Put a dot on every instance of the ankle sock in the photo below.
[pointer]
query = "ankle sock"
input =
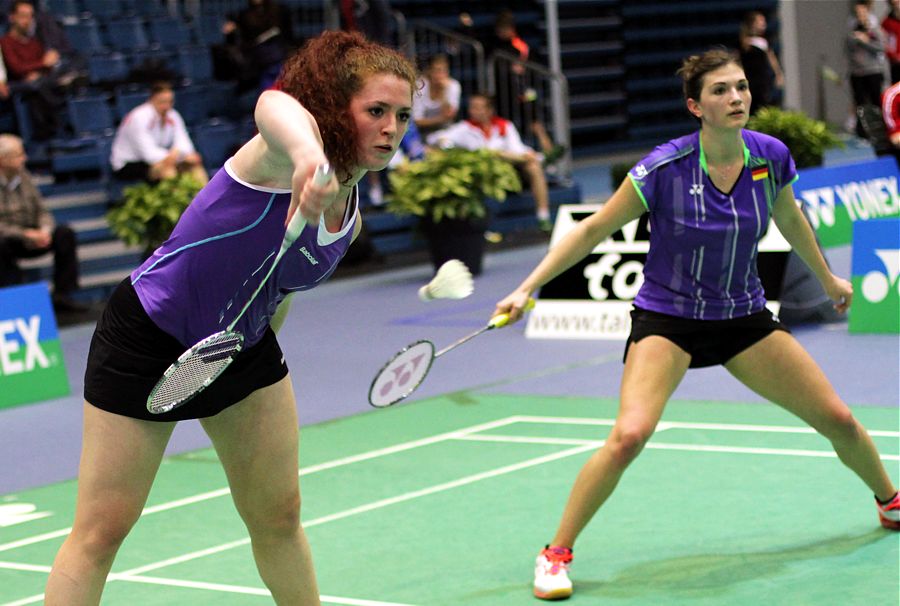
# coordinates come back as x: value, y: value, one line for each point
x: 892, y: 497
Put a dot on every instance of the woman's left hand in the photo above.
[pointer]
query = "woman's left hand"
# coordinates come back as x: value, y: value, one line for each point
x: 841, y: 292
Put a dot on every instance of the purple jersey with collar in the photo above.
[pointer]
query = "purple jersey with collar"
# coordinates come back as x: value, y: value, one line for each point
x: 198, y: 281
x: 703, y: 242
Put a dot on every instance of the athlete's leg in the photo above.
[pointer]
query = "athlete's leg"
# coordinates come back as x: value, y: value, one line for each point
x: 119, y: 459
x: 257, y: 441
x: 653, y: 369
x: 780, y: 370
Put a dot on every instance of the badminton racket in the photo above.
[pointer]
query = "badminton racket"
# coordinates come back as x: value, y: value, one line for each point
x: 406, y: 370
x: 199, y: 366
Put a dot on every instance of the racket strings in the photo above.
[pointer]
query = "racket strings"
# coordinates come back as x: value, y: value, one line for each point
x: 194, y: 370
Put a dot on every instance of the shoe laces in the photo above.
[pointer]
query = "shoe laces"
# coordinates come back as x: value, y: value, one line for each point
x: 559, y: 557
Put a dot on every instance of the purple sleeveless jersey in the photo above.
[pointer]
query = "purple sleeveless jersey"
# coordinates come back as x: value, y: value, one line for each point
x: 198, y: 281
x: 703, y: 242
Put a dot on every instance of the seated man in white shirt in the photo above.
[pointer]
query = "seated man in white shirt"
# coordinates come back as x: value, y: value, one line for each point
x: 152, y: 142
x: 485, y: 130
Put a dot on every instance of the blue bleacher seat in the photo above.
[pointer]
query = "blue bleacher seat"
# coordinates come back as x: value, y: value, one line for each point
x: 107, y: 10
x: 62, y: 8
x: 107, y: 68
x: 192, y: 103
x: 127, y: 35
x: 169, y: 33
x: 126, y: 99
x: 90, y: 115
x: 215, y: 141
x: 195, y: 64
x: 85, y: 36
x: 208, y: 29
x: 151, y: 8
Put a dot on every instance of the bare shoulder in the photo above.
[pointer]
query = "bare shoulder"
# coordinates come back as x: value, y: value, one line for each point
x: 258, y: 164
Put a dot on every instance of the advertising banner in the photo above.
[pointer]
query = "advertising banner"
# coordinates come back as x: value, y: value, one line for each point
x: 838, y: 197
x: 875, y: 269
x: 31, y: 361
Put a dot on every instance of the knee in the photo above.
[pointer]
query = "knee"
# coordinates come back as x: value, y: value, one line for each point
x: 626, y: 443
x: 102, y: 537
x: 276, y: 517
x: 840, y: 425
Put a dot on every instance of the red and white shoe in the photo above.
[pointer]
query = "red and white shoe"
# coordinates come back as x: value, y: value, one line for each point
x: 551, y: 573
x: 889, y: 514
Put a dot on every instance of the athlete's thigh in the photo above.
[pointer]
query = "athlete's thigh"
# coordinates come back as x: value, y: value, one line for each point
x: 257, y: 442
x: 119, y: 460
x: 779, y: 369
x: 653, y: 369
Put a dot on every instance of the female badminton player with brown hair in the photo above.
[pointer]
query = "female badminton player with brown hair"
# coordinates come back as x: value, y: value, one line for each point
x: 710, y: 196
x: 341, y: 99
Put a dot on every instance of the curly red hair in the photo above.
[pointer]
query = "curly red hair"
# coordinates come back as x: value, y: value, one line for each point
x: 325, y: 74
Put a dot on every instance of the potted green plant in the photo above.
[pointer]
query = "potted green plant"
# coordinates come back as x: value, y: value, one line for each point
x: 806, y: 137
x: 149, y: 212
x: 447, y: 190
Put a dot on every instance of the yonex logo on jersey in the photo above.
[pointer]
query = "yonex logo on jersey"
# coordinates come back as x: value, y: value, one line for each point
x: 640, y: 171
x: 308, y: 255
x: 696, y: 189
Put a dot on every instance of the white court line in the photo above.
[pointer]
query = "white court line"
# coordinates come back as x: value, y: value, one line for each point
x: 303, y: 472
x: 793, y: 452
x: 128, y: 574
x: 664, y: 425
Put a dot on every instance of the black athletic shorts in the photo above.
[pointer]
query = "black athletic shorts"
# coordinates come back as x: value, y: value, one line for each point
x: 709, y: 342
x: 129, y: 354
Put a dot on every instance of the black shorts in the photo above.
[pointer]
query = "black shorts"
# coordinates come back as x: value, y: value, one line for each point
x: 134, y: 171
x: 129, y: 354
x: 709, y: 342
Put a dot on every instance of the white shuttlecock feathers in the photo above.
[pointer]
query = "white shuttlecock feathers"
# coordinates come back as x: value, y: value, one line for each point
x: 452, y: 281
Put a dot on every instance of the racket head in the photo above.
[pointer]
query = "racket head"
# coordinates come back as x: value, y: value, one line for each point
x: 402, y: 374
x: 194, y: 370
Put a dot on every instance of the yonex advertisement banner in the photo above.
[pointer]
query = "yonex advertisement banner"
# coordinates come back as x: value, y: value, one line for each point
x: 875, y: 269
x: 31, y: 361
x: 593, y: 298
x: 837, y: 197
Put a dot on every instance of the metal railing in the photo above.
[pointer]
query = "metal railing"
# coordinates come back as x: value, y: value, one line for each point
x: 466, y: 54
x: 526, y: 92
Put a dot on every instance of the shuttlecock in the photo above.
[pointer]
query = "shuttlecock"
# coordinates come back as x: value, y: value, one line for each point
x: 452, y: 281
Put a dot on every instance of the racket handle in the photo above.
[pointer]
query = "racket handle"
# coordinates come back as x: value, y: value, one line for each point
x: 320, y: 179
x: 500, y: 320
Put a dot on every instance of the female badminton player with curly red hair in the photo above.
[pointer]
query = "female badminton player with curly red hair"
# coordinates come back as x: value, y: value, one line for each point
x: 343, y: 100
x: 710, y: 196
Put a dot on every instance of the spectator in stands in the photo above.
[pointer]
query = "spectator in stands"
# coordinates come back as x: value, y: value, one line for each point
x: 152, y: 142
x: 371, y: 17
x: 891, y: 26
x: 865, y: 46
x: 37, y: 71
x: 760, y: 63
x: 4, y: 84
x: 263, y: 35
x: 437, y: 101
x: 890, y: 109
x: 27, y: 228
x: 485, y: 130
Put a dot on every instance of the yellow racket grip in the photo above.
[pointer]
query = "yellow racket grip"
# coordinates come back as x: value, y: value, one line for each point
x: 500, y: 320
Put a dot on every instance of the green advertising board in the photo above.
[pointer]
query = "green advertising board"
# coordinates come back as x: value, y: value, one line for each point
x: 875, y: 270
x: 31, y: 360
x: 838, y: 197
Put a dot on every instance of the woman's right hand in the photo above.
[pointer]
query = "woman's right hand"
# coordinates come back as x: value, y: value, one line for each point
x: 513, y: 304
x: 310, y: 199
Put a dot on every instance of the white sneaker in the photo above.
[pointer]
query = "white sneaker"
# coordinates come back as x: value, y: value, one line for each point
x: 551, y: 574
